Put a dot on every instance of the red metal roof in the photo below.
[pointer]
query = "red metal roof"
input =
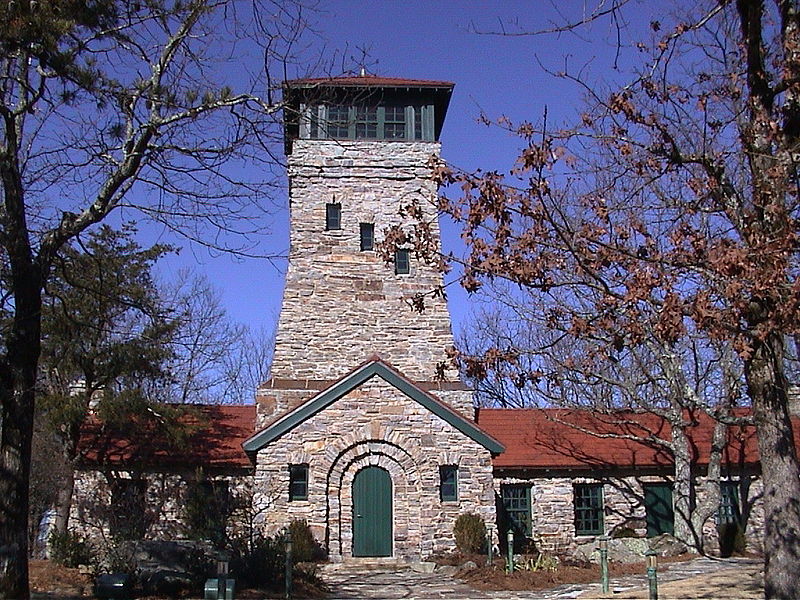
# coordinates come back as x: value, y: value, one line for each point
x: 366, y: 81
x: 563, y: 439
x: 217, y: 433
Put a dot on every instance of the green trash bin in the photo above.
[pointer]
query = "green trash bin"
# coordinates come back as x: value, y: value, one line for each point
x: 219, y: 588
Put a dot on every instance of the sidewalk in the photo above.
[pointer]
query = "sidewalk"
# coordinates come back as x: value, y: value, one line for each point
x: 698, y: 578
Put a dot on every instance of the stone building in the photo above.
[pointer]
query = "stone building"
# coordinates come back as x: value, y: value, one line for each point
x: 356, y: 431
x: 379, y: 455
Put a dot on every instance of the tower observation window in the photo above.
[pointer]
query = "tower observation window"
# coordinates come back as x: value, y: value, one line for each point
x: 366, y: 122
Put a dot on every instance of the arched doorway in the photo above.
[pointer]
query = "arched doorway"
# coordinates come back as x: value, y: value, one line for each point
x: 372, y: 512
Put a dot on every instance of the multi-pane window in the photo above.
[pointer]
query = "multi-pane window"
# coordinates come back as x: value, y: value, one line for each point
x: 448, y: 483
x: 402, y: 262
x: 298, y: 482
x: 365, y: 122
x: 418, y: 123
x: 367, y: 236
x: 127, y: 519
x: 588, y: 501
x: 516, y: 507
x: 366, y: 118
x: 728, y: 503
x: 394, y: 123
x: 333, y: 216
x: 338, y: 121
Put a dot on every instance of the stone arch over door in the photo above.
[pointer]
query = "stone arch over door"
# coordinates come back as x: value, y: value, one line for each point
x: 406, y: 487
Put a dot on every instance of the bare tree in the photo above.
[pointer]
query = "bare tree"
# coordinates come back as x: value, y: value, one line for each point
x: 513, y: 358
x: 121, y: 106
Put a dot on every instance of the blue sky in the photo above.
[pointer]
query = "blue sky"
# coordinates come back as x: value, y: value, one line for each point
x: 497, y: 75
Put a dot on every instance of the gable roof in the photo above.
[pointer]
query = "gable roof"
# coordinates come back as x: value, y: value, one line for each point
x: 215, y: 441
x: 551, y: 439
x: 374, y: 367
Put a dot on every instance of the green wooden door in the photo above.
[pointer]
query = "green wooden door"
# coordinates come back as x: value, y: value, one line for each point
x: 658, y: 509
x: 372, y: 512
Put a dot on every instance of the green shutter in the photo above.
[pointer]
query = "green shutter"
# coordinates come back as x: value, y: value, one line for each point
x: 659, y: 511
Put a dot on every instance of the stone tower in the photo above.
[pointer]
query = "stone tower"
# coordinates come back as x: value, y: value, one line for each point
x: 358, y: 149
x: 354, y: 433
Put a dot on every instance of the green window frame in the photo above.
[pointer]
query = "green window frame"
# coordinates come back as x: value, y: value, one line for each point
x: 298, y: 482
x: 333, y: 216
x: 448, y: 483
x: 588, y: 503
x: 367, y: 231
x: 394, y: 122
x: 729, y: 512
x: 337, y: 122
x: 516, y: 504
x: 402, y: 262
x: 366, y: 122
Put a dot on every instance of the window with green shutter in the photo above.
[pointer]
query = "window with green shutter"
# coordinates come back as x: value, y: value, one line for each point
x: 516, y: 509
x: 298, y: 482
x: 728, y: 512
x: 448, y: 483
x: 659, y: 511
x: 128, y: 502
x: 588, y: 501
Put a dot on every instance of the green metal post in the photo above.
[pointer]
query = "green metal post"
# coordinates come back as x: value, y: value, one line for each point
x: 288, y: 564
x: 510, y: 557
x: 489, y: 546
x: 604, y: 562
x: 652, y: 573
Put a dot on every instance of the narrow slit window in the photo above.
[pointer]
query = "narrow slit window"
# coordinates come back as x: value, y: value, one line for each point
x: 298, y: 482
x: 448, y: 483
x: 333, y: 216
x: 402, y: 262
x: 367, y: 236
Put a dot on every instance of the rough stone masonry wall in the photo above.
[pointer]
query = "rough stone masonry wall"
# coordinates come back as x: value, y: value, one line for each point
x: 341, y: 304
x: 375, y: 424
x: 91, y: 508
x: 553, y: 510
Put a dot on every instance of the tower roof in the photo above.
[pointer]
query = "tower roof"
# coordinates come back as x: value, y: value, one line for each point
x: 366, y: 81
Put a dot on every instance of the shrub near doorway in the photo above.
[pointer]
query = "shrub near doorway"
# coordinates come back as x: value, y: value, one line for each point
x: 470, y: 533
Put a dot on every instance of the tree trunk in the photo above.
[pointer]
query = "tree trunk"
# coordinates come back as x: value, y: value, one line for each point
x: 682, y: 487
x: 17, y: 388
x: 767, y: 389
x: 709, y: 505
x: 18, y: 385
x: 64, y: 500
